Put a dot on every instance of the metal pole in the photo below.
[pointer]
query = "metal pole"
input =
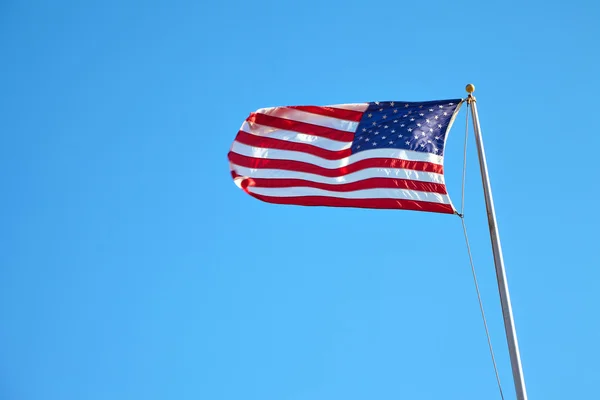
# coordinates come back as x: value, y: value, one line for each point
x: 509, y: 324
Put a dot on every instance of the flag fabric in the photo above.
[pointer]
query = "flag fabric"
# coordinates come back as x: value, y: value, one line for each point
x: 387, y: 155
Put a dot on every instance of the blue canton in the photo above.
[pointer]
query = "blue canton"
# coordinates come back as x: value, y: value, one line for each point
x: 405, y: 125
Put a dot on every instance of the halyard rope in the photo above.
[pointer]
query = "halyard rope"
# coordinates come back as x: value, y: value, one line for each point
x: 462, y: 218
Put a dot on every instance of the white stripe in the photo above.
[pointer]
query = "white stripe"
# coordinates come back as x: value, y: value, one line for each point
x: 367, y: 173
x: 309, y: 118
x: 351, y: 106
x: 404, y: 194
x: 290, y: 136
x: 275, y: 154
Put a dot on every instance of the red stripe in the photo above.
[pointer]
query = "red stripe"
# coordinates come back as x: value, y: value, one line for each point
x: 272, y: 143
x: 301, y: 127
x: 370, y: 183
x: 300, y: 166
x: 360, y: 203
x: 348, y: 115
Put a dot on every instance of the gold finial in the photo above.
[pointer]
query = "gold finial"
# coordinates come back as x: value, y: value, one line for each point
x: 470, y: 88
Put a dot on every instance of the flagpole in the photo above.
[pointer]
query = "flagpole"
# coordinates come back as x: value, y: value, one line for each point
x: 509, y: 324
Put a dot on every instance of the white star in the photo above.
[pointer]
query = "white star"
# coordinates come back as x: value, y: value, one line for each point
x: 419, y: 125
x: 385, y: 126
x: 364, y: 129
x: 431, y: 109
x: 427, y: 121
x: 451, y: 104
x: 439, y: 126
x: 445, y: 113
x: 436, y: 117
x: 430, y: 130
x: 377, y: 102
x: 423, y: 133
x: 401, y: 125
x: 393, y: 131
x: 429, y: 141
x: 385, y: 116
x: 412, y: 119
x: 400, y: 135
x: 409, y: 129
x: 374, y: 123
x: 358, y: 147
x: 406, y: 105
x: 395, y: 111
x: 441, y: 106
x: 395, y: 121
x: 421, y: 114
x: 370, y: 115
x: 381, y: 109
x: 391, y: 142
x: 392, y: 104
x: 367, y: 139
x: 437, y: 138
x: 377, y: 133
x: 374, y: 144
x: 407, y: 142
x: 422, y: 145
x: 416, y: 136
x: 360, y: 138
x: 421, y: 106
x: 383, y: 137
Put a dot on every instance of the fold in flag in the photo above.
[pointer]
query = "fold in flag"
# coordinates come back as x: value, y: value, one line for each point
x: 370, y: 155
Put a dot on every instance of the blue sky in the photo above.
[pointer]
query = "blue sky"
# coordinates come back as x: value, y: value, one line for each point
x: 131, y: 267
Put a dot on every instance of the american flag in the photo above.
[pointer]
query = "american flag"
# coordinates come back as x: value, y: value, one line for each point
x: 370, y: 155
